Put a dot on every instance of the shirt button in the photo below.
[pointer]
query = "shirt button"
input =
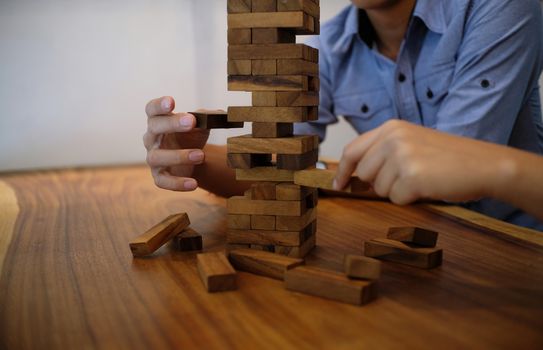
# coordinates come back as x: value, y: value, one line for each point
x: 429, y: 93
x: 365, y: 108
x: 401, y: 77
x: 485, y: 83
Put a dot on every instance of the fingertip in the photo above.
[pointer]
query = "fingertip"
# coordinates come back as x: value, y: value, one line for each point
x: 190, y: 184
x: 167, y: 103
x: 187, y: 121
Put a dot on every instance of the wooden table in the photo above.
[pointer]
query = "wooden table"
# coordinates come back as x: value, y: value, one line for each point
x: 68, y: 280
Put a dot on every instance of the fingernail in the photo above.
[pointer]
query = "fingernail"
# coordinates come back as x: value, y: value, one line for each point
x: 335, y: 185
x: 166, y: 104
x: 186, y: 121
x: 190, y: 184
x: 196, y: 156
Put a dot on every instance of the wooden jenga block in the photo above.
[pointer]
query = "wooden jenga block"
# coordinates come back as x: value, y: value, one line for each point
x: 293, y: 20
x: 314, y: 84
x: 273, y: 130
x: 264, y: 99
x: 239, y: 6
x: 158, y: 235
x: 396, y: 251
x: 214, y: 120
x: 263, y: 190
x: 272, y: 51
x: 312, y: 199
x: 267, y: 82
x: 270, y: 237
x: 363, y: 267
x: 268, y: 114
x: 323, y: 179
x: 285, y: 145
x: 263, y: 248
x: 264, y: 174
x: 216, y: 272
x: 264, y: 6
x: 287, y: 191
x: 239, y: 67
x: 239, y: 221
x: 263, y: 222
x: 297, y: 252
x: 295, y: 223
x: 231, y: 247
x: 263, y: 263
x: 298, y: 161
x: 273, y: 36
x: 188, y: 240
x: 330, y: 284
x: 295, y: 98
x: 308, y: 6
x: 239, y: 36
x: 241, y: 205
x: 416, y: 235
x: 264, y: 67
x: 248, y: 161
x: 297, y: 67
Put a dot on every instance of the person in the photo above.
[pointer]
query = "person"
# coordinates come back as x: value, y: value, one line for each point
x: 465, y: 67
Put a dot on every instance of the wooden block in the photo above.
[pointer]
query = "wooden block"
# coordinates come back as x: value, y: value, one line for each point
x: 239, y: 67
x: 264, y: 174
x: 330, y: 284
x: 239, y: 221
x: 264, y: 67
x: 267, y: 82
x: 264, y: 99
x: 295, y: 223
x: 248, y: 161
x: 263, y: 248
x: 263, y: 222
x: 268, y: 114
x: 231, y: 247
x: 272, y: 130
x: 295, y: 99
x: 239, y: 6
x: 264, y: 6
x: 266, y: 237
x: 239, y: 36
x: 263, y: 190
x: 273, y: 36
x: 263, y: 263
x: 320, y: 178
x: 188, y: 240
x: 308, y: 6
x: 312, y: 199
x: 285, y: 145
x: 396, y: 251
x: 287, y: 191
x: 298, y: 161
x: 416, y: 235
x: 293, y: 20
x: 241, y: 205
x: 297, y: 67
x: 357, y: 266
x: 298, y: 252
x: 158, y: 235
x: 314, y: 84
x: 272, y: 51
x: 216, y: 272
x: 214, y: 120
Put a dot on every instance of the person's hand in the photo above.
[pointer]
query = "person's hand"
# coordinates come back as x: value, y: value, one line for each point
x: 173, y: 145
x: 406, y: 162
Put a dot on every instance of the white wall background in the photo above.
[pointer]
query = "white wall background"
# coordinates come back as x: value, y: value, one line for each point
x: 75, y: 76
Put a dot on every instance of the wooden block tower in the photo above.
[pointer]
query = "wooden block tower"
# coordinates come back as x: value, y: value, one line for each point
x: 263, y: 58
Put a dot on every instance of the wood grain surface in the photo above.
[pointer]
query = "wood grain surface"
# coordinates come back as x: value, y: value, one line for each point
x: 69, y: 280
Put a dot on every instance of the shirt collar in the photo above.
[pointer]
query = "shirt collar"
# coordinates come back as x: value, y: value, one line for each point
x: 430, y: 12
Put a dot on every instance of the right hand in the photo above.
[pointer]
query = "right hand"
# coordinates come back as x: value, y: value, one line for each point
x: 173, y: 145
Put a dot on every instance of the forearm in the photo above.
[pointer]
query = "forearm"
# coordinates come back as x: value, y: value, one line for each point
x: 215, y: 176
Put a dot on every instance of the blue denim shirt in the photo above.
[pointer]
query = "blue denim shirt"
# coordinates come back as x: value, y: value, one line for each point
x: 467, y: 67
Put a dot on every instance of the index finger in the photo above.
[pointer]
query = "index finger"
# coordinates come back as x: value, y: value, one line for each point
x: 160, y: 106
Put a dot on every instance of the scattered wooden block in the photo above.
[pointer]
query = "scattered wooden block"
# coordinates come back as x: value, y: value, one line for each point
x: 295, y: 223
x: 239, y: 67
x: 239, y: 221
x: 272, y: 130
x: 263, y: 222
x: 242, y: 205
x: 287, y: 191
x: 188, y: 240
x: 323, y: 179
x: 285, y: 145
x: 273, y: 36
x: 263, y: 263
x: 264, y: 174
x: 297, y: 67
x: 395, y: 251
x: 264, y: 67
x: 264, y: 99
x: 158, y: 235
x: 298, y: 161
x: 330, y: 284
x: 239, y: 6
x: 297, y: 99
x: 363, y: 267
x: 214, y: 120
x: 268, y: 114
x: 267, y: 82
x: 308, y: 6
x: 248, y: 161
x: 264, y: 6
x: 272, y: 51
x: 292, y: 20
x: 239, y: 37
x: 216, y: 272
x: 263, y: 190
x: 416, y: 235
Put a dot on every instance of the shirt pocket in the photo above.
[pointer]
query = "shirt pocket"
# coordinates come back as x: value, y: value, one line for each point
x: 431, y: 90
x: 365, y: 110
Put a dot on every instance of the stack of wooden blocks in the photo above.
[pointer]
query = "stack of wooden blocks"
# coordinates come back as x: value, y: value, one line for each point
x: 275, y: 215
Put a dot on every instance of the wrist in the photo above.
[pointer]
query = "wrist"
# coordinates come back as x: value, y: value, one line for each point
x: 506, y: 173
